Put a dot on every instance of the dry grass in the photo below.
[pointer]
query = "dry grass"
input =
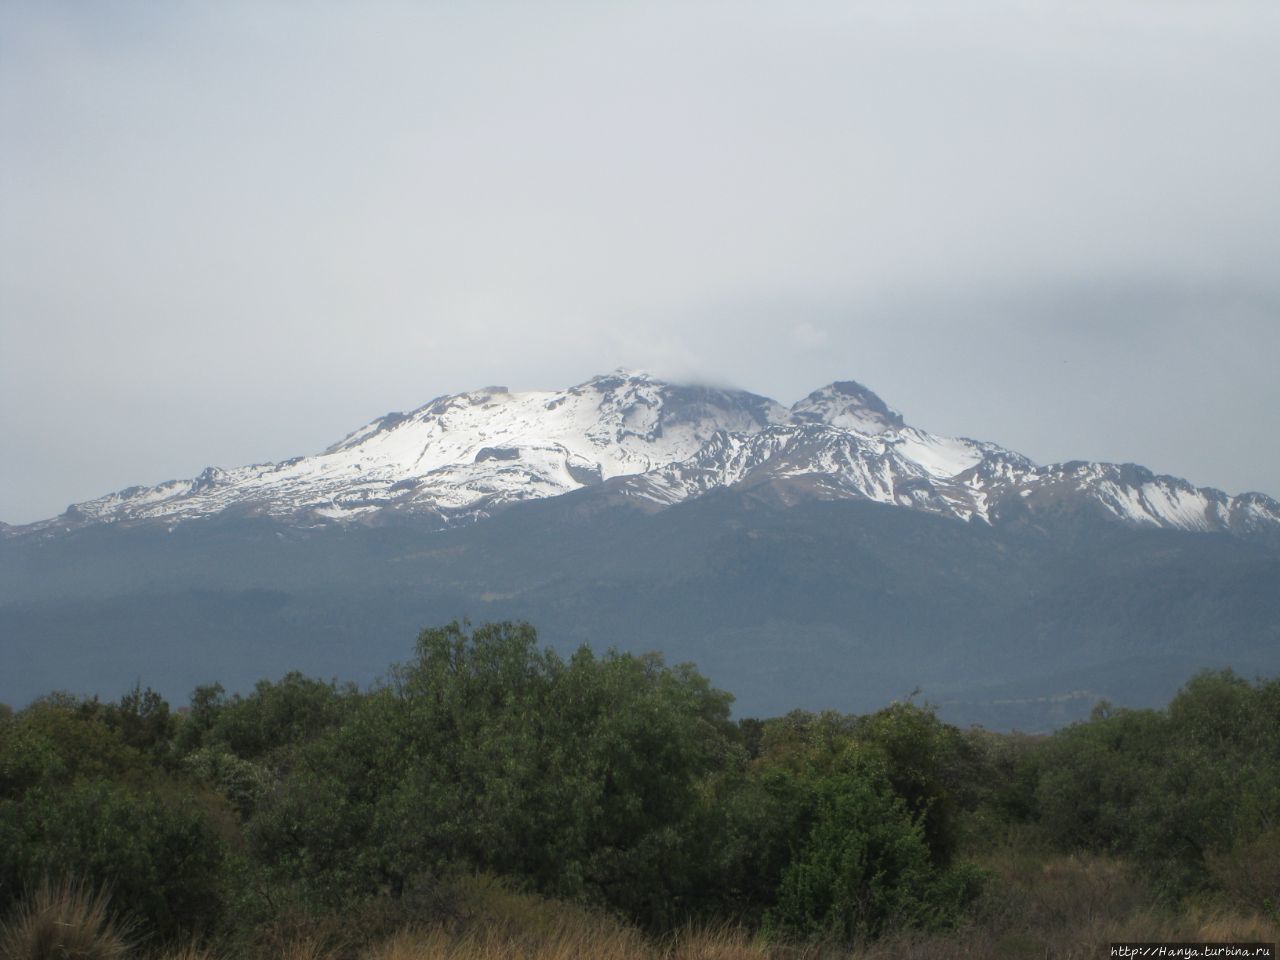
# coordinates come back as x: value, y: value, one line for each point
x: 306, y: 948
x: 496, y: 923
x: 1055, y: 907
x: 65, y: 921
x: 190, y: 951
x: 580, y: 941
x: 1040, y: 906
x: 1250, y: 874
x: 716, y: 942
x: 1226, y: 923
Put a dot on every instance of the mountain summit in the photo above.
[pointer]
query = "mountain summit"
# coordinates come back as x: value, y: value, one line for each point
x: 463, y: 457
x: 848, y: 405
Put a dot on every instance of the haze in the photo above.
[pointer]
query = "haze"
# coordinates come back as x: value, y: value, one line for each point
x: 232, y: 232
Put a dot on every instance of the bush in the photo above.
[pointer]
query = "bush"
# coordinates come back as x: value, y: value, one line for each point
x: 58, y: 740
x: 290, y: 711
x: 865, y: 866
x: 583, y: 778
x: 1179, y: 790
x: 931, y: 766
x: 1093, y: 779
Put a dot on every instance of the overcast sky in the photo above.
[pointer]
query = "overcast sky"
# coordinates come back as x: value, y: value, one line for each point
x: 233, y: 232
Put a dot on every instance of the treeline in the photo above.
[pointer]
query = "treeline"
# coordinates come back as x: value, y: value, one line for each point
x: 614, y: 781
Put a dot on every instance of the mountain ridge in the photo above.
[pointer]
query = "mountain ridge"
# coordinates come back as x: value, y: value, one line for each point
x: 461, y: 458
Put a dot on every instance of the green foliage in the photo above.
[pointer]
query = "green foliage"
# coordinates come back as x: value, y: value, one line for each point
x: 753, y: 818
x: 83, y: 794
x: 160, y: 856
x: 842, y: 826
x: 863, y: 866
x: 207, y: 704
x: 243, y: 783
x: 290, y: 711
x: 845, y: 826
x: 143, y: 720
x: 582, y: 777
x: 930, y: 765
x: 637, y: 740
x: 1176, y: 789
x: 1091, y: 778
x: 614, y: 780
x: 59, y: 739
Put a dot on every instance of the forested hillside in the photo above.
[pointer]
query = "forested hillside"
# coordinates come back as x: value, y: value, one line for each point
x: 820, y: 605
x: 607, y: 804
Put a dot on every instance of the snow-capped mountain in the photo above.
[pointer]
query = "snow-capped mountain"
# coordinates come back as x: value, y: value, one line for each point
x: 460, y: 458
x: 955, y: 477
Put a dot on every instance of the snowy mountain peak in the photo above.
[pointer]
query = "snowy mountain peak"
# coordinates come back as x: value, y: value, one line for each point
x: 849, y: 405
x: 618, y: 375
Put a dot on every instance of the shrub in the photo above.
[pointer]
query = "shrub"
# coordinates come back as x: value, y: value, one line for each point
x: 930, y: 765
x: 865, y: 866
x: 59, y: 739
x: 583, y: 778
x: 290, y: 711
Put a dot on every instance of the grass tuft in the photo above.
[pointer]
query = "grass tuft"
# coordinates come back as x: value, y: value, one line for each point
x: 190, y: 951
x: 64, y: 921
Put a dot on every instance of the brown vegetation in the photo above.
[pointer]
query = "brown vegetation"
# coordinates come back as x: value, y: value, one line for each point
x: 1040, y: 905
x: 66, y: 921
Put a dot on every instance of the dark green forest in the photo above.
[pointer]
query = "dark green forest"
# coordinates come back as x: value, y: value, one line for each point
x: 488, y: 770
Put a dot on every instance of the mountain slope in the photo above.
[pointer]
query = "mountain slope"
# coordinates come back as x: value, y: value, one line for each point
x: 460, y: 455
x: 843, y: 604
